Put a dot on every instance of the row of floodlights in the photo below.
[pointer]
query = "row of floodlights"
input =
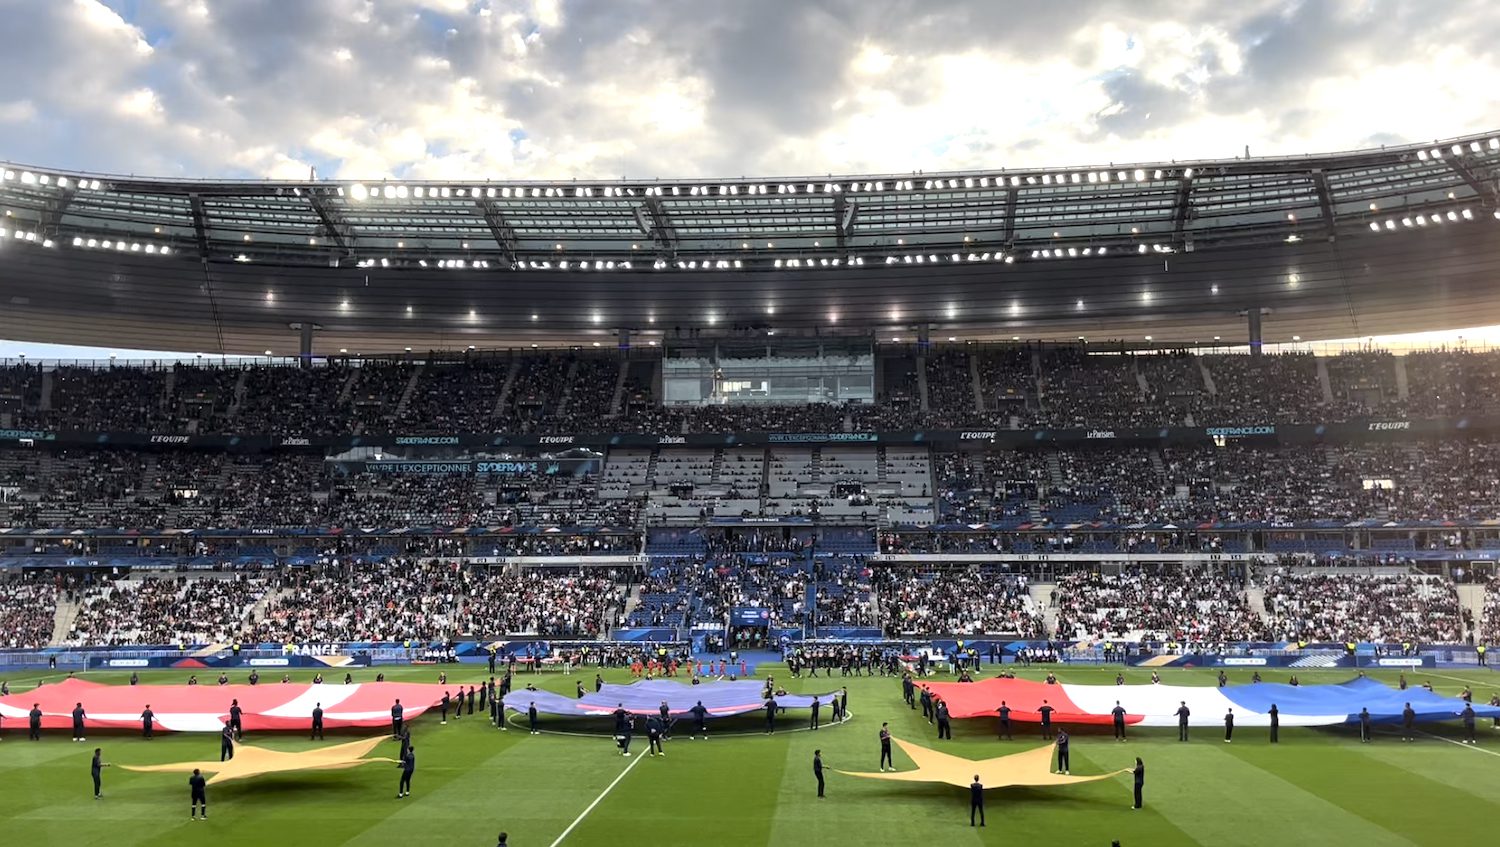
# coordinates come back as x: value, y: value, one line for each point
x: 24, y: 235
x: 1457, y: 150
x: 1420, y: 220
x: 359, y: 192
x: 29, y: 178
x: 121, y: 246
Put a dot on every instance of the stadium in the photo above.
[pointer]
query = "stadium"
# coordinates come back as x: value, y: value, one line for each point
x: 954, y: 458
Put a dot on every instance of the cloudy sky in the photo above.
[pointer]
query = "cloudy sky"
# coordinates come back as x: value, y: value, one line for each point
x: 688, y: 88
x: 641, y: 88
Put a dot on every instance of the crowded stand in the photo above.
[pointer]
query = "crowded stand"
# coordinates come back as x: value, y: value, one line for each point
x: 1071, y: 386
x: 1007, y: 383
x: 1382, y: 608
x: 1364, y: 383
x: 1490, y: 634
x: 396, y: 600
x: 1267, y: 389
x: 1183, y: 607
x: 956, y: 601
x: 1449, y: 383
x: 28, y: 605
x: 166, y: 611
x: 286, y: 401
x: 1080, y: 389
x: 578, y: 604
x: 454, y: 396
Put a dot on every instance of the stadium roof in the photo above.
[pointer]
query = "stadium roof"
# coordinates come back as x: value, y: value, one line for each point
x: 1331, y: 244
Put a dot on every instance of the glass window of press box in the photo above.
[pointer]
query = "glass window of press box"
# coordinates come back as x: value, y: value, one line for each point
x: 774, y: 372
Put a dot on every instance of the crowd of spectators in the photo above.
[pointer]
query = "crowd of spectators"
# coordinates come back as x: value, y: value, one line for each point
x: 396, y: 600
x: 1179, y: 606
x: 575, y: 604
x: 28, y: 606
x: 1490, y: 634
x: 1385, y: 608
x: 166, y: 611
x: 955, y: 601
x: 1073, y: 386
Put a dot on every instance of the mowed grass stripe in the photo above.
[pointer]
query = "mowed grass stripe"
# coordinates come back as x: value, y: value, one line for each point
x: 720, y: 792
x: 1383, y: 792
x: 1219, y: 799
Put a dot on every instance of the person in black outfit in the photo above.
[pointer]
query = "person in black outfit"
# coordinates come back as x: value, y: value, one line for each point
x: 492, y: 661
x: 598, y: 683
x: 700, y: 720
x: 531, y: 718
x: 1063, y: 762
x: 926, y: 699
x: 1408, y: 720
x: 622, y: 729
x: 447, y: 701
x: 317, y: 723
x: 908, y: 691
x: 976, y: 800
x: 945, y: 729
x: 816, y: 706
x: 1119, y: 715
x: 818, y: 769
x: 226, y: 743
x: 504, y: 840
x: 199, y: 788
x: 1140, y: 780
x: 1364, y: 726
x: 1182, y: 721
x: 236, y: 717
x: 1468, y: 716
x: 1046, y: 712
x: 397, y: 718
x: 1228, y: 726
x: 471, y: 699
x: 1004, y: 711
x: 580, y: 694
x: 405, y: 742
x: 408, y: 766
x: 653, y: 736
x: 771, y: 716
x: 885, y: 747
x: 148, y: 723
x: 78, y: 716
x: 483, y: 692
x: 1275, y: 724
x: 666, y: 720
x: 94, y: 767
x: 35, y: 728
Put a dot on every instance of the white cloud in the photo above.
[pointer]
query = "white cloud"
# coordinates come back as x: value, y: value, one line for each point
x: 476, y: 88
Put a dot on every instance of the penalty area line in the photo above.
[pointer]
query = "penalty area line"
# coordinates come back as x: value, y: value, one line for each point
x: 602, y: 795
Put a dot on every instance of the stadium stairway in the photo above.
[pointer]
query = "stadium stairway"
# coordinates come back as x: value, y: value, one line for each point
x: 504, y: 395
x: 1208, y: 378
x: 922, y: 384
x: 1041, y: 595
x: 1403, y: 387
x: 67, y: 610
x: 1255, y: 600
x: 617, y: 399
x: 1471, y: 597
x: 45, y: 403
x: 411, y: 387
x: 1324, y: 382
x: 976, y: 384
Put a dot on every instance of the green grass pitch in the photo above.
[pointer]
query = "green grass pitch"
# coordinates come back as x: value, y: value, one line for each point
x: 1316, y: 787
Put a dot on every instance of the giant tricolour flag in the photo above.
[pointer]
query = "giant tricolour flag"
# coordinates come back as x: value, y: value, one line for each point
x: 204, y: 708
x: 720, y: 699
x: 1157, y: 705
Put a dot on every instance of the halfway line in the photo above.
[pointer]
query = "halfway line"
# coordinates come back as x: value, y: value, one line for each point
x: 638, y: 758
